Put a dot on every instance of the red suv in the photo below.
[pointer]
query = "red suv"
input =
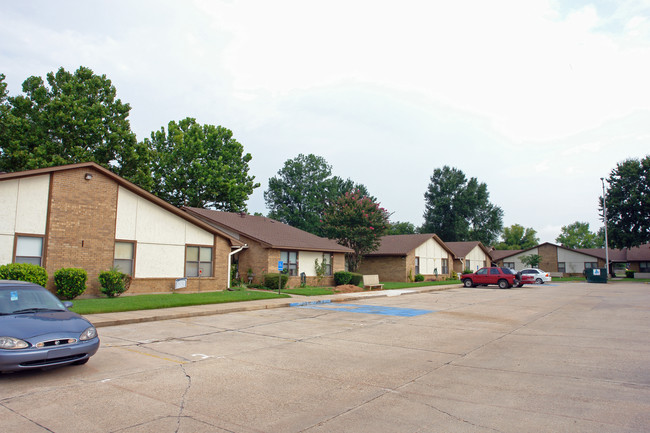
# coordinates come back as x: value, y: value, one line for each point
x: 502, y: 277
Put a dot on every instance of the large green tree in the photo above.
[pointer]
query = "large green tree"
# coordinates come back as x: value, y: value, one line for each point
x: 516, y: 237
x: 628, y: 204
x: 401, y: 228
x: 200, y: 166
x: 578, y: 235
x: 458, y: 209
x: 302, y: 190
x: 75, y: 117
x: 357, y: 222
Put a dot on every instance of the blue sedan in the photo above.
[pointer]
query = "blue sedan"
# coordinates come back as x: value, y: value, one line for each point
x: 37, y: 330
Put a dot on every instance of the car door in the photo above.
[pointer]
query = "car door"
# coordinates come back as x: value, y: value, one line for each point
x: 494, y: 277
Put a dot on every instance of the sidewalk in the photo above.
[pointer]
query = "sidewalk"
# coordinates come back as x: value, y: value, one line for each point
x: 128, y: 317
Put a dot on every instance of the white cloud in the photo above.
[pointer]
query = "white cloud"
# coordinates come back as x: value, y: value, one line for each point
x: 534, y: 96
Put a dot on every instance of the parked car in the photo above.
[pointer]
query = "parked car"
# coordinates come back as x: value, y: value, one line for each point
x: 502, y: 277
x: 538, y: 275
x: 37, y: 330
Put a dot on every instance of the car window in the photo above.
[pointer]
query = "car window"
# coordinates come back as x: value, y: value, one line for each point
x: 482, y: 271
x: 21, y: 298
x: 494, y: 271
x: 527, y: 271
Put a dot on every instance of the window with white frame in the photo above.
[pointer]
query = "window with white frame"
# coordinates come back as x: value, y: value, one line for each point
x: 417, y: 265
x: 509, y: 265
x: 561, y: 267
x: 445, y: 266
x: 592, y: 265
x: 198, y: 261
x: 644, y: 266
x: 29, y: 249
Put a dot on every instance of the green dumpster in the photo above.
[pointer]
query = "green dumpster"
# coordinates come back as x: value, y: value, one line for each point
x: 596, y: 275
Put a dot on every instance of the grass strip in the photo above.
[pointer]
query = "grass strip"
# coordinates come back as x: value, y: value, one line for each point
x: 167, y: 300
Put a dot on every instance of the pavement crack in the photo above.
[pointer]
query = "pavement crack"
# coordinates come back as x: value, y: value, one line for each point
x: 183, y: 398
x: 460, y: 418
x: 28, y: 419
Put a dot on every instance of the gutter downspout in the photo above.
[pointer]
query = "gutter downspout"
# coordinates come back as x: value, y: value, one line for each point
x: 230, y: 262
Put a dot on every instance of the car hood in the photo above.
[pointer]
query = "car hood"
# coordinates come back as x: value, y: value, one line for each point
x: 30, y: 325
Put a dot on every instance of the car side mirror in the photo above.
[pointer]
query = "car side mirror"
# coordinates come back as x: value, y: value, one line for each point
x: 67, y: 304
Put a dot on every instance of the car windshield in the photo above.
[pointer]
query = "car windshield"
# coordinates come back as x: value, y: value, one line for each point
x: 19, y: 300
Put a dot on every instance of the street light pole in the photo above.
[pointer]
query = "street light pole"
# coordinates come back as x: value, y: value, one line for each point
x: 602, y: 180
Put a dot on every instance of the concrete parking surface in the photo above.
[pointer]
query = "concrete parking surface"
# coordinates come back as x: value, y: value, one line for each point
x: 567, y: 357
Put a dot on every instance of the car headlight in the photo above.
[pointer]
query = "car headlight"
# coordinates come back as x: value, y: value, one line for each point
x: 88, y: 334
x: 12, y: 343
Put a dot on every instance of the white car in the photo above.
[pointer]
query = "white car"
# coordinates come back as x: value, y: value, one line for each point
x: 538, y: 275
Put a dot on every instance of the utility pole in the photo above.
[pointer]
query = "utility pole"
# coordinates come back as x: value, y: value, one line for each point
x: 602, y: 180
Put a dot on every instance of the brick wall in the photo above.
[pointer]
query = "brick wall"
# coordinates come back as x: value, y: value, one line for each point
x: 549, y: 257
x: 387, y: 268
x: 81, y: 225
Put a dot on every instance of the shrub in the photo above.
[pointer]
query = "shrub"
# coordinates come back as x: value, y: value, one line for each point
x: 467, y: 271
x: 342, y: 277
x: 24, y: 272
x: 271, y: 280
x: 419, y: 277
x: 453, y: 276
x: 70, y: 282
x: 113, y: 282
x: 629, y: 274
x: 355, y: 279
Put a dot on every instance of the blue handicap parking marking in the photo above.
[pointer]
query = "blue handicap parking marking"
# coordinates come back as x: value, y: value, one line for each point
x: 367, y: 309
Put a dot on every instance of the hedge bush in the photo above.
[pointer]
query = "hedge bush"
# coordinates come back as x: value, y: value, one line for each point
x: 419, y: 277
x: 629, y: 274
x: 342, y: 277
x: 113, y: 282
x: 271, y: 280
x: 70, y: 282
x: 24, y: 272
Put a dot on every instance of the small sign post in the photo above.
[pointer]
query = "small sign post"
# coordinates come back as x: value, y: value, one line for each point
x: 280, y: 268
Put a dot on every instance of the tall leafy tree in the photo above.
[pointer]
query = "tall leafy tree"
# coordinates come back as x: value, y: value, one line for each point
x: 458, y: 209
x: 401, y: 228
x: 628, y: 204
x: 578, y: 235
x: 516, y: 237
x: 302, y: 190
x: 200, y: 166
x: 75, y: 117
x: 357, y: 222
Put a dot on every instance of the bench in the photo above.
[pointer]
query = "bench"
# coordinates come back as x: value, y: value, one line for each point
x: 371, y: 282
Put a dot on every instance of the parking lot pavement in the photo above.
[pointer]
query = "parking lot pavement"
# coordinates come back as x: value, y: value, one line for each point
x: 568, y: 357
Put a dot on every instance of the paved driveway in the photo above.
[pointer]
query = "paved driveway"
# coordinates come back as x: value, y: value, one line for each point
x: 568, y: 357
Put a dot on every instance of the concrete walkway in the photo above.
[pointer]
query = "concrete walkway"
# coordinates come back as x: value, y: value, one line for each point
x: 127, y: 317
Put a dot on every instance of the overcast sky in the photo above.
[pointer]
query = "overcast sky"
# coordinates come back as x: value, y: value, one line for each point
x: 537, y: 99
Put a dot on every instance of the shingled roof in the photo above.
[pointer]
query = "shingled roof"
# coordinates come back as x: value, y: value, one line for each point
x: 268, y: 232
x: 401, y: 245
x: 462, y: 249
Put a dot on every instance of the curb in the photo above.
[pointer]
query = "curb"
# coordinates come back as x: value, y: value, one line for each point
x: 141, y: 316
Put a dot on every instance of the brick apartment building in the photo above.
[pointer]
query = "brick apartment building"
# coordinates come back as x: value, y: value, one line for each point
x: 85, y: 216
x: 269, y: 241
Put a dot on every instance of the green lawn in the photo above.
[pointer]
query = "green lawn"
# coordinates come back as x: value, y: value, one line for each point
x: 316, y: 291
x: 150, y: 302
